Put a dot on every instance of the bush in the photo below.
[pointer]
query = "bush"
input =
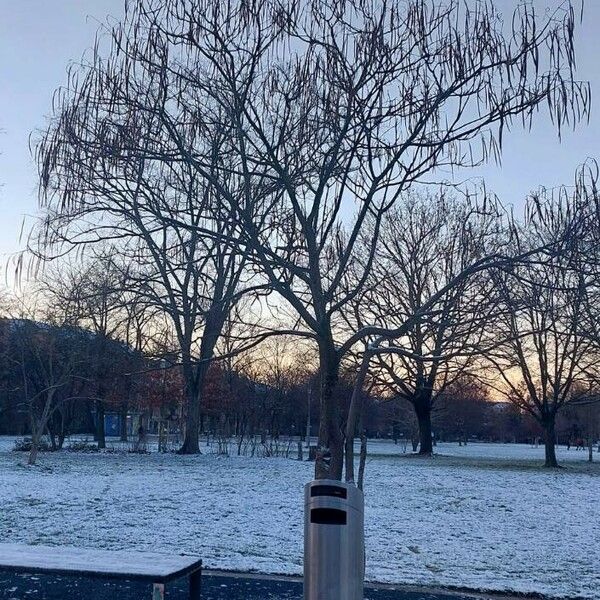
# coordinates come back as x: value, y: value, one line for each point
x: 138, y: 450
x: 83, y: 446
x: 24, y: 445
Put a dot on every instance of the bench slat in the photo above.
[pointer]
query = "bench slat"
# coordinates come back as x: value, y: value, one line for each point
x: 100, y: 563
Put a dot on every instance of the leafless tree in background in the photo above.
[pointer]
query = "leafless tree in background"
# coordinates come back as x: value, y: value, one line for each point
x: 42, y: 353
x: 90, y: 295
x: 154, y: 213
x: 425, y: 242
x: 547, y: 358
x: 546, y: 256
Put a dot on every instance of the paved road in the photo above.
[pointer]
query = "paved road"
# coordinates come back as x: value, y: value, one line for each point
x: 214, y: 587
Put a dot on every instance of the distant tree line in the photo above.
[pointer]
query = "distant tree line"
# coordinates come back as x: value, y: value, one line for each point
x: 50, y: 380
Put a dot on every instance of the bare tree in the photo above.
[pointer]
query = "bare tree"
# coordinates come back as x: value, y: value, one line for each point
x: 47, y: 356
x: 547, y: 357
x: 424, y: 243
x: 353, y: 123
x: 583, y: 414
x: 548, y: 317
x: 90, y: 295
x: 321, y: 115
x: 155, y: 214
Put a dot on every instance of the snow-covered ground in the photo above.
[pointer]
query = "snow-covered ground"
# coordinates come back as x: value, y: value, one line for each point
x: 494, y: 452
x: 481, y: 516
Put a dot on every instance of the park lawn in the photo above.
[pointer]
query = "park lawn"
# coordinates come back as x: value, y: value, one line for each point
x: 483, y: 516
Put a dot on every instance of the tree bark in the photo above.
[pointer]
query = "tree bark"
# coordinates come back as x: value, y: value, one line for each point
x: 62, y: 431
x: 423, y: 411
x: 355, y: 414
x: 123, y: 423
x: 35, y: 441
x: 100, y: 433
x: 362, y: 460
x: 195, y: 378
x: 330, y: 454
x: 550, y: 442
x: 195, y: 387
x: 53, y: 443
x: 33, y: 452
x: 191, y: 442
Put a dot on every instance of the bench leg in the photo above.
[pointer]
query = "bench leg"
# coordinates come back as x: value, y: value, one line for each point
x: 195, y: 585
x: 158, y: 591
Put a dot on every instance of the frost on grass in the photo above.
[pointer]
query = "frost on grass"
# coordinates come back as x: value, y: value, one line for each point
x: 484, y: 516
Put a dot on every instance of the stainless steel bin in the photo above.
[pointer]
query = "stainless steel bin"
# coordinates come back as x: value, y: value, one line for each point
x: 334, y: 548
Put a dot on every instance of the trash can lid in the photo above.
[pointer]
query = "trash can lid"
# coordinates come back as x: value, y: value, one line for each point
x: 334, y: 489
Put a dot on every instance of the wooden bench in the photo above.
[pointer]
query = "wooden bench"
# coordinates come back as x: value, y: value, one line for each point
x: 156, y: 569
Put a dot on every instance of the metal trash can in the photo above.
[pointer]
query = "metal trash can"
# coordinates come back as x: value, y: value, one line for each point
x: 334, y: 547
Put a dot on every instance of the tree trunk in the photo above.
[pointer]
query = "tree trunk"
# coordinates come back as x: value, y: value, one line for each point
x: 362, y: 463
x: 191, y: 440
x: 308, y: 428
x: 62, y: 432
x: 330, y: 453
x: 195, y: 378
x: 355, y: 416
x: 123, y: 423
x: 33, y: 453
x: 550, y: 442
x: 423, y: 412
x: 53, y: 443
x: 35, y: 445
x: 100, y: 433
x: 194, y: 386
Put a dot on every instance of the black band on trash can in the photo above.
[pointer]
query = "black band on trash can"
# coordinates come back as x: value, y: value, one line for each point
x: 328, y: 490
x: 328, y: 516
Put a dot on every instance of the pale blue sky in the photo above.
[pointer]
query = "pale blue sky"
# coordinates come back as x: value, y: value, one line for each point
x: 38, y: 38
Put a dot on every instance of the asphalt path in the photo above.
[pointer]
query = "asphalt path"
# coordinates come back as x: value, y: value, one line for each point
x: 215, y: 586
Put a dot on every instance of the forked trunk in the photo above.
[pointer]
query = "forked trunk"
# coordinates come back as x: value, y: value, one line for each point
x: 195, y: 378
